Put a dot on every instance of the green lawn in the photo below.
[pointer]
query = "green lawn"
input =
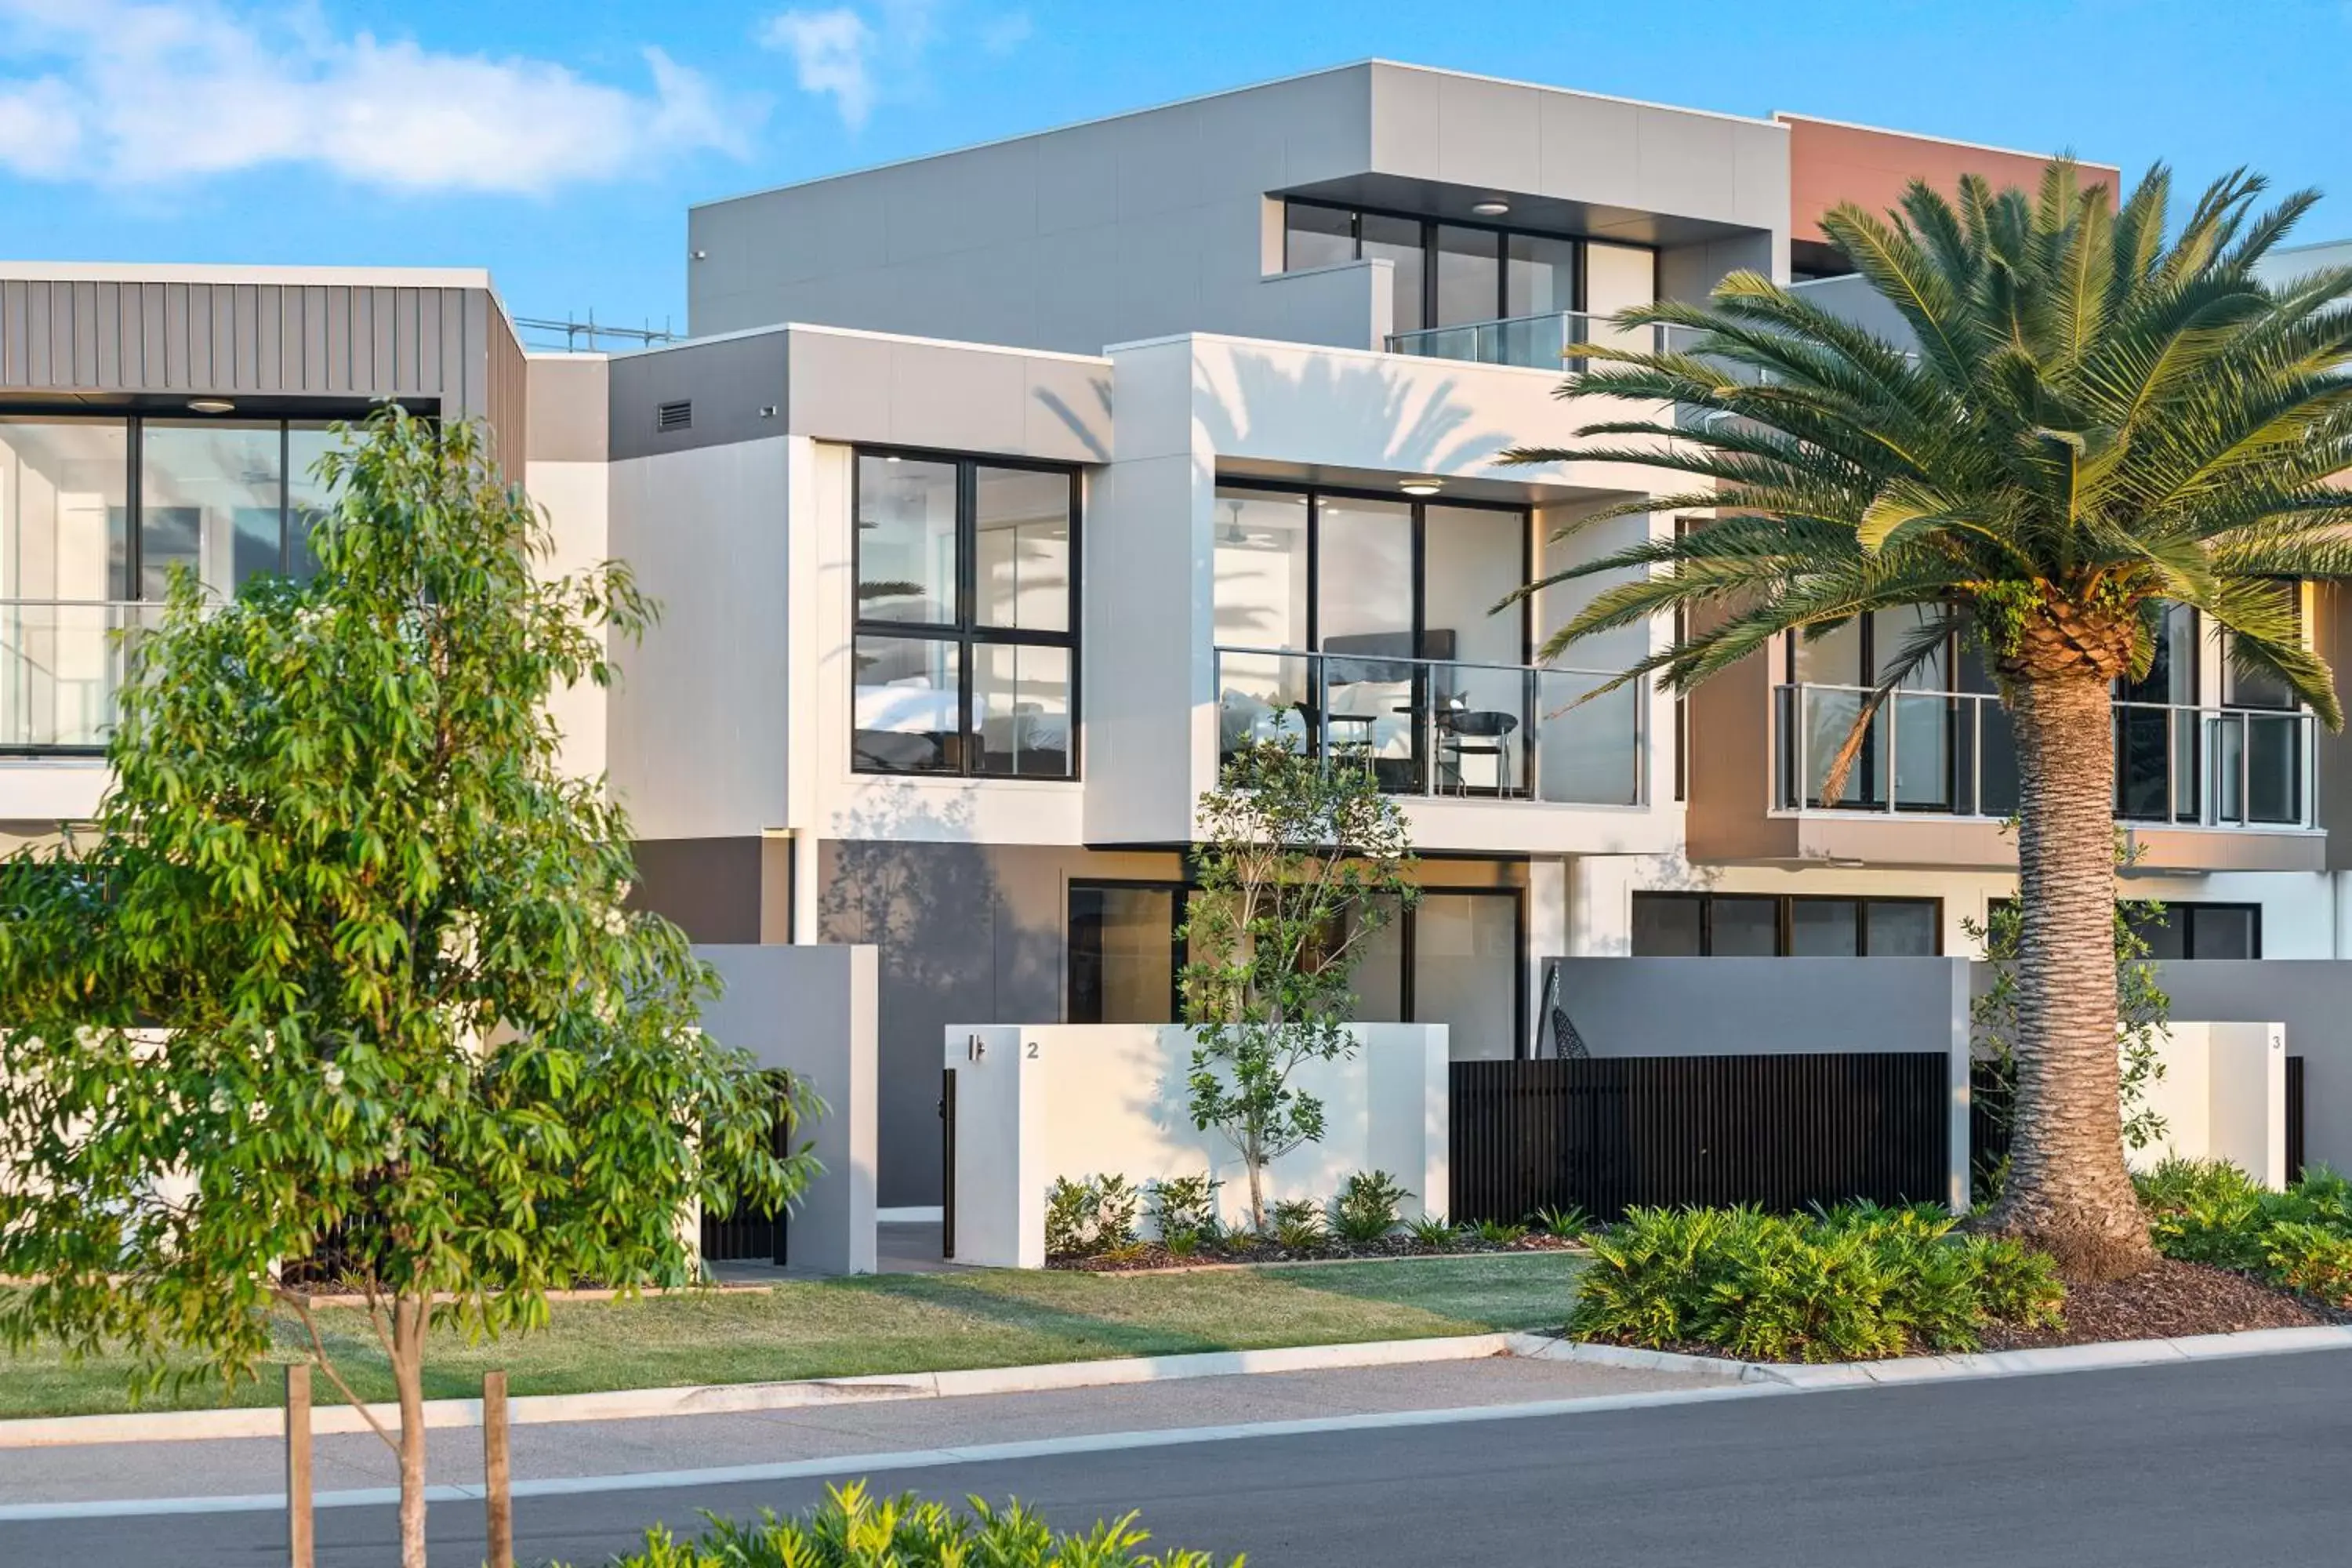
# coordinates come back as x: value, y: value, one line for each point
x: 903, y: 1322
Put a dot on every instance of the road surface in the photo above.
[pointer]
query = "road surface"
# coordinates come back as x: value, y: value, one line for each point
x: 2228, y: 1464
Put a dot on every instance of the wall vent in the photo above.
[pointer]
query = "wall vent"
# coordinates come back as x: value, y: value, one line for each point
x: 678, y: 415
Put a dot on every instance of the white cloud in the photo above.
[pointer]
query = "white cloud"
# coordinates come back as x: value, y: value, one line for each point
x: 833, y: 53
x: 147, y: 91
x: 862, y: 56
x: 999, y: 36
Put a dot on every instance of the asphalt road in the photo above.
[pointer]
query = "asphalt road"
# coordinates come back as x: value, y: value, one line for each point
x: 2230, y: 1464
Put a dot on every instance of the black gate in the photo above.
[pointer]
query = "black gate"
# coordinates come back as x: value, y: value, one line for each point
x: 946, y: 1164
x: 2294, y: 1119
x: 1779, y: 1132
x: 752, y: 1236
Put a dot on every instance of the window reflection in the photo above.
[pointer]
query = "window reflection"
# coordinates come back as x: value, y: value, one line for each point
x: 211, y: 501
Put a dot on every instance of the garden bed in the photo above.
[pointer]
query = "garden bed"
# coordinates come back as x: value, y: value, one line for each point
x: 2171, y: 1300
x: 1237, y: 1251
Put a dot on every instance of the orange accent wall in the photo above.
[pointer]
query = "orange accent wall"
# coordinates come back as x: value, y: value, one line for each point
x: 1829, y: 163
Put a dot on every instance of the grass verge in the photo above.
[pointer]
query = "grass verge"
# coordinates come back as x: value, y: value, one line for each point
x: 902, y: 1323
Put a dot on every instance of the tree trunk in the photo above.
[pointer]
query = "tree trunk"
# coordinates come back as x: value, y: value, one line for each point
x: 2068, y: 1190
x: 408, y: 1377
x: 1254, y: 1158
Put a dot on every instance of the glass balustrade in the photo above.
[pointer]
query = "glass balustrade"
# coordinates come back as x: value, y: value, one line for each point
x: 1439, y: 727
x: 1952, y: 753
x: 61, y: 668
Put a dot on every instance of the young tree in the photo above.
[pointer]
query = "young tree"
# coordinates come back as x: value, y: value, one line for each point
x: 345, y: 956
x: 1300, y: 861
x: 2100, y: 419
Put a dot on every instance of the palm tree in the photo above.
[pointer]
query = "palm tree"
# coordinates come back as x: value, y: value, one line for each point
x: 2095, y: 425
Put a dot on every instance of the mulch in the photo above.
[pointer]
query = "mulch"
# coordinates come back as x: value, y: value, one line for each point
x: 2171, y: 1300
x: 1152, y: 1255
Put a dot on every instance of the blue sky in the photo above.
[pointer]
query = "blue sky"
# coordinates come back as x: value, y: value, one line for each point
x: 560, y: 145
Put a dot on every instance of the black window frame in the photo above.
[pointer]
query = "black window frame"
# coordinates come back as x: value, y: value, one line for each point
x: 1420, y: 507
x: 129, y: 585
x: 1429, y: 226
x: 1783, y: 921
x: 1408, y: 937
x: 2184, y: 909
x: 966, y: 632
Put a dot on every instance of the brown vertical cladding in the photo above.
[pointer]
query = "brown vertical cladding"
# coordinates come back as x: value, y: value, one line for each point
x: 106, y: 337
x: 1829, y: 163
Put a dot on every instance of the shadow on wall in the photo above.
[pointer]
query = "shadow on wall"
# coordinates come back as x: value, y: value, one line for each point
x: 959, y: 942
x: 1301, y: 410
x: 1088, y: 432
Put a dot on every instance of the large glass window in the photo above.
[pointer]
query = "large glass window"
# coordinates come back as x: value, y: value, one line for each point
x: 1457, y: 274
x: 212, y: 501
x: 1454, y: 959
x: 906, y: 540
x: 95, y: 515
x: 65, y: 495
x: 1769, y: 925
x: 1123, y: 964
x: 1417, y: 674
x: 966, y: 656
x: 2198, y: 931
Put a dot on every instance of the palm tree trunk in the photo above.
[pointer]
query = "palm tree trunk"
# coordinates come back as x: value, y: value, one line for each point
x: 2068, y: 1189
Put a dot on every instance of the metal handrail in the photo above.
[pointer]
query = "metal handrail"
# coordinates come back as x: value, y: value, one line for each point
x: 1428, y: 714
x: 2203, y: 724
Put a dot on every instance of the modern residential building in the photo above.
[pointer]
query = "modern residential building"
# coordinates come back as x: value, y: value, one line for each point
x: 995, y: 497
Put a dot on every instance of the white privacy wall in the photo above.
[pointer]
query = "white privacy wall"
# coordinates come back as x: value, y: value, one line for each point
x: 2222, y: 1096
x: 1035, y: 1103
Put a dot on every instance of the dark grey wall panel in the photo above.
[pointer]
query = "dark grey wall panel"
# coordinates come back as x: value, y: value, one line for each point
x: 108, y: 338
x: 727, y: 380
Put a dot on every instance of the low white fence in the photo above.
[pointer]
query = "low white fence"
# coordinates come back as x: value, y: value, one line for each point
x: 1038, y: 1102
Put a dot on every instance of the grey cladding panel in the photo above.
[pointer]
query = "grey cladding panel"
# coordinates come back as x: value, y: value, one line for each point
x: 728, y: 380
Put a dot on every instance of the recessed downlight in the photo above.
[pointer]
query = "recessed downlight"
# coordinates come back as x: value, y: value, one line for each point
x: 1490, y: 209
x: 1419, y: 487
x: 211, y: 406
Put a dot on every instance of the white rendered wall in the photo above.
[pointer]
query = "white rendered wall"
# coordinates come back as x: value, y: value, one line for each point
x: 811, y: 1010
x: 574, y: 497
x: 1039, y: 1102
x: 2222, y: 1096
x: 698, y: 723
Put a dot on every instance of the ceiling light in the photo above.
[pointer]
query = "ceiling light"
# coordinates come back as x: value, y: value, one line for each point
x: 1490, y: 209
x: 212, y: 405
x: 1419, y: 487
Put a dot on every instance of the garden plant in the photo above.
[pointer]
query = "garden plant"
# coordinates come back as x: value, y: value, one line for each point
x: 2094, y: 413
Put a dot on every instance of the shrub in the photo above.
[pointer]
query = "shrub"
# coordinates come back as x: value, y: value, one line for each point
x: 1851, y: 1283
x: 1432, y: 1231
x: 2210, y: 1210
x: 1298, y: 1223
x: 1368, y: 1206
x: 1084, y: 1219
x: 1184, y: 1211
x: 1499, y: 1233
x: 853, y: 1529
x: 1568, y: 1224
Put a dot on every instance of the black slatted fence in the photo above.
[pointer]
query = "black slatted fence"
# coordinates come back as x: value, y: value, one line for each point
x: 1780, y: 1131
x: 747, y: 1235
x: 2294, y: 1155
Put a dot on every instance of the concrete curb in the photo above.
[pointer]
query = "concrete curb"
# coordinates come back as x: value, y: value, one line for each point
x: 1946, y: 1368
x: 711, y: 1399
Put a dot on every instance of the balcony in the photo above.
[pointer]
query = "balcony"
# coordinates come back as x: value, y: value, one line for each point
x: 1546, y: 342
x: 1951, y: 754
x: 1440, y: 729
x: 61, y: 671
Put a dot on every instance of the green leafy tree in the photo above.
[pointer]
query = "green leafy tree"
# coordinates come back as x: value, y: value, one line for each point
x: 2098, y: 422
x: 341, y: 979
x: 1299, y: 864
